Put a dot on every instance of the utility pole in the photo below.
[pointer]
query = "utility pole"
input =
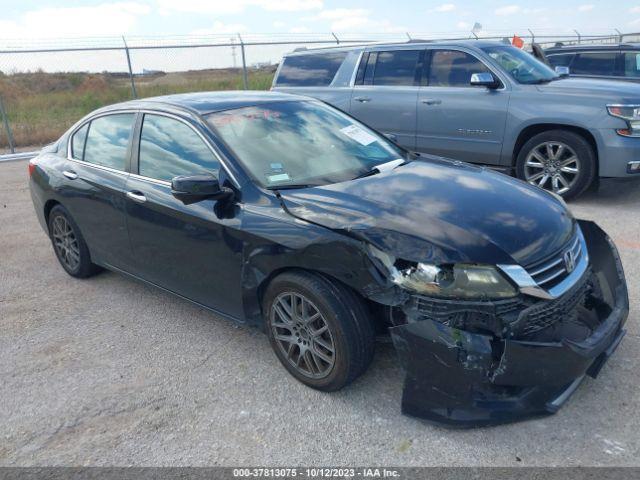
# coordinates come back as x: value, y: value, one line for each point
x: 133, y: 83
x: 234, y: 54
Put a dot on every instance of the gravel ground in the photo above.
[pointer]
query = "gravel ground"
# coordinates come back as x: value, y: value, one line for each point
x: 108, y: 371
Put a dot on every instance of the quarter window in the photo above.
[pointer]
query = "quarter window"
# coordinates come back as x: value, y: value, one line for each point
x: 453, y: 68
x: 600, y: 63
x: 315, y: 70
x: 77, y: 142
x: 108, y: 140
x: 169, y: 148
x: 632, y: 64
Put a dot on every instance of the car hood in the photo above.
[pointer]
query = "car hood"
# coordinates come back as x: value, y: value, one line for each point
x: 611, y: 89
x: 437, y: 210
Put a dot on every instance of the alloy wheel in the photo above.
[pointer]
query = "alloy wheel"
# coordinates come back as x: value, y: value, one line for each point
x: 65, y: 242
x: 302, y: 334
x: 553, y: 166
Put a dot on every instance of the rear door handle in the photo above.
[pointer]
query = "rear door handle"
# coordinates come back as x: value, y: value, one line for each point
x: 137, y: 196
x: 362, y: 99
x: 431, y: 101
x: 70, y: 174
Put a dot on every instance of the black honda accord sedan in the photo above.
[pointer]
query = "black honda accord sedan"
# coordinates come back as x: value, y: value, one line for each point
x: 281, y: 212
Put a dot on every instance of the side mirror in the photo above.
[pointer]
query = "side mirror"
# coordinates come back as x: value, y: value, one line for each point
x: 484, y: 79
x: 195, y: 188
x: 562, y: 71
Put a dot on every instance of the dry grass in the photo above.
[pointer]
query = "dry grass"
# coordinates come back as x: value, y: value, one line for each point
x: 41, y: 106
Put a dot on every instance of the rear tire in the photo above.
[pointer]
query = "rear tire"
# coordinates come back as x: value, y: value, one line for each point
x: 319, y: 329
x: 69, y: 245
x: 559, y: 161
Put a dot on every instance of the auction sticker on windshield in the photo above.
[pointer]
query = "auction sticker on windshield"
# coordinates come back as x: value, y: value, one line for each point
x: 358, y: 134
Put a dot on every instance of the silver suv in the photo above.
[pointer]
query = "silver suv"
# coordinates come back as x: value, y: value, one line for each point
x: 481, y: 102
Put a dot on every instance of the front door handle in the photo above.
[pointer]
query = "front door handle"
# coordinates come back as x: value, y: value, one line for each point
x: 362, y: 99
x: 137, y: 196
x: 431, y: 101
x: 70, y: 174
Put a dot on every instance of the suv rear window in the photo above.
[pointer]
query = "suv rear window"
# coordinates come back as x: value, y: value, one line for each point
x: 315, y: 70
x: 596, y: 63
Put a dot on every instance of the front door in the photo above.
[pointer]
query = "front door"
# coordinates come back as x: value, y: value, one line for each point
x: 186, y: 249
x: 386, y: 91
x: 455, y: 119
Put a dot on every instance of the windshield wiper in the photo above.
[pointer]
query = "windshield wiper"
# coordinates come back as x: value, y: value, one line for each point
x: 291, y: 186
x: 383, y: 167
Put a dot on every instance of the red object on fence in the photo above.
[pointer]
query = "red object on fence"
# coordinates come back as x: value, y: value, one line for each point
x: 516, y: 41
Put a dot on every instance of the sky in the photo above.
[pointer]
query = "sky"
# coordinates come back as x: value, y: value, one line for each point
x: 66, y: 18
x: 55, y: 23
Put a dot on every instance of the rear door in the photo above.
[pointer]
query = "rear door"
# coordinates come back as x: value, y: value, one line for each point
x: 455, y: 119
x: 95, y: 178
x: 187, y: 249
x: 386, y: 92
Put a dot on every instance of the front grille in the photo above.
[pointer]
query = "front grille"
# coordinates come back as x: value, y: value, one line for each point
x: 546, y: 313
x: 439, y: 308
x: 550, y: 272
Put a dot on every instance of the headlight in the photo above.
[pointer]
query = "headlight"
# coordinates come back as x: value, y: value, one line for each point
x: 457, y: 281
x: 630, y: 113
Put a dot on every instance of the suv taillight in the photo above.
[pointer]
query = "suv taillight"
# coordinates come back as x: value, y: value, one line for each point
x: 32, y: 167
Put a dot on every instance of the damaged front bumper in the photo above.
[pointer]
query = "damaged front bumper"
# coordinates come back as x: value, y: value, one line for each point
x: 472, y: 377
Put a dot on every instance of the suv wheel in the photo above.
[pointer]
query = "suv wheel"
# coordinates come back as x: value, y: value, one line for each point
x: 560, y: 161
x: 319, y: 330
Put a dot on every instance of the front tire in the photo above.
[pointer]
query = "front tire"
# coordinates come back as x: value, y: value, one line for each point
x: 559, y: 161
x: 69, y: 245
x: 319, y: 330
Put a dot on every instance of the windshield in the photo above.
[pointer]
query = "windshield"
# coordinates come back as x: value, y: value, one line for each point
x: 300, y: 143
x: 523, y: 67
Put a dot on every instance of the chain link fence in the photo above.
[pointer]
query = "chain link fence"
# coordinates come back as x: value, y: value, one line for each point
x: 47, y: 85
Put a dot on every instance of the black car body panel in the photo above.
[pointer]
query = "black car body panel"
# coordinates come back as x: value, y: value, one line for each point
x: 221, y: 254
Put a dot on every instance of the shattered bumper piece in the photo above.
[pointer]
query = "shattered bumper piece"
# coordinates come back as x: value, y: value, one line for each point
x: 465, y: 379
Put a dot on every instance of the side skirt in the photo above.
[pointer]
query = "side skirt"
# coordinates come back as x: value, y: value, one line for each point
x: 142, y: 280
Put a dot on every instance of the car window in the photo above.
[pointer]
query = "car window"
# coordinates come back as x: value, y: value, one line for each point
x: 595, y: 63
x: 169, y: 148
x: 108, y: 140
x: 77, y: 142
x: 561, y: 60
x: 395, y: 67
x: 632, y: 64
x: 453, y: 68
x: 310, y: 70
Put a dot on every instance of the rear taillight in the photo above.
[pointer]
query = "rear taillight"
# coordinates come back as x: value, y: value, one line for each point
x: 32, y: 167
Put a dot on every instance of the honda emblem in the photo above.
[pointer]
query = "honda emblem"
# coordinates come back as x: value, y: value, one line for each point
x: 569, y: 261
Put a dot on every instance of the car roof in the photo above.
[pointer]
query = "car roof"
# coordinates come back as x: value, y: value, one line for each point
x: 207, y: 102
x: 411, y: 43
x: 592, y: 47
